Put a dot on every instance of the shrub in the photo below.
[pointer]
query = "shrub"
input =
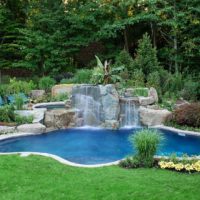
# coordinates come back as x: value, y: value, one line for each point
x: 140, y: 92
x: 46, y: 83
x: 124, y: 59
x: 23, y: 119
x: 19, y: 102
x: 83, y: 76
x: 16, y: 86
x: 188, y: 114
x: 137, y: 79
x: 153, y: 80
x: 146, y: 144
x: 146, y: 56
x: 130, y: 162
x: 191, y: 90
x: 106, y: 74
x: 60, y: 97
x: 7, y: 113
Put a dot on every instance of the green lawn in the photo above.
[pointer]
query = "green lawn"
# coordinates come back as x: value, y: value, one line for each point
x: 41, y: 178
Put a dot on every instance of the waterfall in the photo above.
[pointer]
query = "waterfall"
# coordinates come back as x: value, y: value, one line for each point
x: 129, y: 114
x: 88, y: 109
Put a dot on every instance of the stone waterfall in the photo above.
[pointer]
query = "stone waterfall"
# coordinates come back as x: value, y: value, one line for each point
x: 101, y: 106
x: 129, y: 113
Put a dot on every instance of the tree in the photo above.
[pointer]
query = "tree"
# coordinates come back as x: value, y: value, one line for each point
x: 146, y: 56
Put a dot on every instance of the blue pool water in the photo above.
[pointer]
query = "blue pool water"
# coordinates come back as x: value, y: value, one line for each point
x: 89, y: 146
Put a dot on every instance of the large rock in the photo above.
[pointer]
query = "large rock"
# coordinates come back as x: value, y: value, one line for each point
x: 62, y: 89
x: 144, y: 101
x: 37, y: 94
x: 150, y: 117
x: 32, y: 128
x: 38, y: 114
x: 111, y: 124
x: 153, y: 93
x: 7, y: 129
x: 110, y: 102
x: 59, y: 119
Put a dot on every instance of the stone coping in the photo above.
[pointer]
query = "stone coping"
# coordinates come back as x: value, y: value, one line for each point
x: 61, y: 160
x: 47, y: 103
x: 66, y: 162
x: 175, y: 130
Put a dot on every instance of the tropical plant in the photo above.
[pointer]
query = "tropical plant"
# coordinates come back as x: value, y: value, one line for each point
x: 19, y: 102
x: 105, y: 74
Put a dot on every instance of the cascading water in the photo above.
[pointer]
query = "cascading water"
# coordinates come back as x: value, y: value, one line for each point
x: 101, y: 106
x: 88, y: 109
x: 130, y: 114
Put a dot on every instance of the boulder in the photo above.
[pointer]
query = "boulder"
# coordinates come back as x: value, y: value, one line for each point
x: 37, y: 94
x: 129, y: 92
x: 110, y: 102
x: 7, y: 129
x: 60, y: 118
x: 32, y: 128
x: 180, y: 102
x: 150, y: 117
x: 111, y: 124
x: 153, y: 93
x: 144, y: 101
x: 38, y: 114
x: 62, y: 89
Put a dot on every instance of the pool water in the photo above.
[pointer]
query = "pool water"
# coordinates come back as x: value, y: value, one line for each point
x: 96, y: 146
x: 52, y: 106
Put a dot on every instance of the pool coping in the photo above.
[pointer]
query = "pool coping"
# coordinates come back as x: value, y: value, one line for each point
x: 47, y: 103
x: 66, y: 162
x: 176, y: 130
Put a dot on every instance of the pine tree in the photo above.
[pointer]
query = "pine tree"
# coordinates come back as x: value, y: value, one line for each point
x: 146, y: 56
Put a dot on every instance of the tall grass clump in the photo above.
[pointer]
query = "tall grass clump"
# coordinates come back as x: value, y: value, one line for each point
x: 146, y: 143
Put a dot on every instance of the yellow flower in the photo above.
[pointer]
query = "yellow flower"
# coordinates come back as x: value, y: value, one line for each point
x: 170, y: 165
x: 179, y: 166
x: 189, y: 167
x: 196, y: 166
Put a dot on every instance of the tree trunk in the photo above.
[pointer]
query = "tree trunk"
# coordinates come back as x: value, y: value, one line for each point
x: 126, y: 46
x: 153, y: 33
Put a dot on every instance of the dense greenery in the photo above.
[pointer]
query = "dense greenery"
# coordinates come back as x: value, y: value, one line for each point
x: 52, y: 36
x: 48, y: 179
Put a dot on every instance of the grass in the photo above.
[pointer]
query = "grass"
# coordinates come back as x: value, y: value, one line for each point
x: 35, y: 178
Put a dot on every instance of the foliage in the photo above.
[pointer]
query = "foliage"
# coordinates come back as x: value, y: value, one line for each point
x: 191, y: 90
x: 146, y: 144
x: 7, y: 113
x: 137, y: 79
x: 146, y: 56
x: 60, y: 97
x: 140, y: 92
x: 171, y: 123
x: 153, y: 80
x: 23, y: 119
x: 19, y: 102
x: 180, y: 166
x: 46, y: 83
x: 17, y: 86
x: 183, y: 164
x: 130, y: 162
x: 188, y: 114
x: 105, y: 74
x: 124, y: 59
x: 82, y: 76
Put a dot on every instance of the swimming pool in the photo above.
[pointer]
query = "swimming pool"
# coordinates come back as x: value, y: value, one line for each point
x: 96, y: 146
